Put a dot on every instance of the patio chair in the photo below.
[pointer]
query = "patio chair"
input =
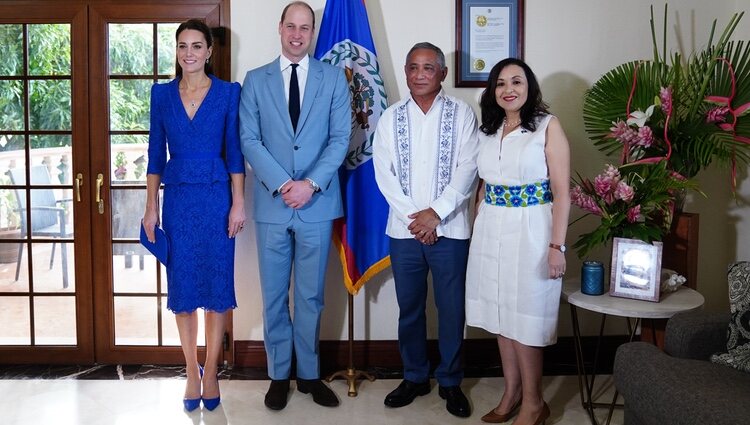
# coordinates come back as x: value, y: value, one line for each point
x: 47, y: 214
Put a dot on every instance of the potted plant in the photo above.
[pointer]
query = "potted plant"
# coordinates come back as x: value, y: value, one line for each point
x: 120, y: 170
x: 669, y: 116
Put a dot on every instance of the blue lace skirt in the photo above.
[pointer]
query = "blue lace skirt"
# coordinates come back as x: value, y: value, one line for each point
x: 200, y: 273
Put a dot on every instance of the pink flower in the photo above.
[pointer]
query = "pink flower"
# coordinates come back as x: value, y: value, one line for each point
x: 624, y: 192
x: 584, y: 201
x: 623, y: 133
x: 634, y: 214
x: 612, y: 172
x: 645, y: 137
x: 606, y: 183
x: 717, y: 114
x: 665, y: 95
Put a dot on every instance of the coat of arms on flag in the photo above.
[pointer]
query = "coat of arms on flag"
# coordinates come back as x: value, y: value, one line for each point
x: 368, y: 96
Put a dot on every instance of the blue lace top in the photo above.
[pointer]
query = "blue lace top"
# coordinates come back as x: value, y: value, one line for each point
x: 199, y: 152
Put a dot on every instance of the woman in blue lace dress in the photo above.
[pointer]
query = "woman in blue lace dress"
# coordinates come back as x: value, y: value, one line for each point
x: 195, y: 118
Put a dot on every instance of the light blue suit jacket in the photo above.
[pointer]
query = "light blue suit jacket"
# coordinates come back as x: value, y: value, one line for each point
x: 276, y: 154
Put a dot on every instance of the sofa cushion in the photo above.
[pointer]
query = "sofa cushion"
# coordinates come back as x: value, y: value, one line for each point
x: 738, y: 336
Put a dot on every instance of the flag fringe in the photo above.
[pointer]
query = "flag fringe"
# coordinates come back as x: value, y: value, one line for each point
x: 353, y: 287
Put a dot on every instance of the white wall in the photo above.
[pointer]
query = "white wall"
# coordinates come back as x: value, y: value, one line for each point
x: 569, y: 44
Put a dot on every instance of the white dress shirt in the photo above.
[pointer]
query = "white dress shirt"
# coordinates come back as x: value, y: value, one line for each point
x: 286, y: 74
x: 453, y: 204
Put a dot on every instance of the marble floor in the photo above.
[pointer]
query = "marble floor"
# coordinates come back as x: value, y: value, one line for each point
x: 156, y: 400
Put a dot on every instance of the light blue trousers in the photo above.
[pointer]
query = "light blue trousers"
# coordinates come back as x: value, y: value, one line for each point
x: 302, y: 247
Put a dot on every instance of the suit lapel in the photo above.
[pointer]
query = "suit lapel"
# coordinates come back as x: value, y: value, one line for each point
x: 314, y: 81
x: 275, y: 89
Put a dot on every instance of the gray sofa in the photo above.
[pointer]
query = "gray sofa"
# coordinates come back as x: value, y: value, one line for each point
x: 680, y: 385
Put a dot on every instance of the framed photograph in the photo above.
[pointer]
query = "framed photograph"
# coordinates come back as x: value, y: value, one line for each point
x: 487, y: 31
x: 636, y: 269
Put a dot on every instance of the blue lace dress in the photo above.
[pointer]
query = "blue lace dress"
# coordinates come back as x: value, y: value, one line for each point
x: 197, y: 193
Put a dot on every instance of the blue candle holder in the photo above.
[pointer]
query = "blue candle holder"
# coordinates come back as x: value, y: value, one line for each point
x: 592, y: 278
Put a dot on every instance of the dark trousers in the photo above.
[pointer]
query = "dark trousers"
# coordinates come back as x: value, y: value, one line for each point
x: 411, y: 261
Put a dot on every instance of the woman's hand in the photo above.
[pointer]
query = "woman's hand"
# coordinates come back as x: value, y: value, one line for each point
x: 150, y: 221
x: 236, y: 219
x: 556, y: 261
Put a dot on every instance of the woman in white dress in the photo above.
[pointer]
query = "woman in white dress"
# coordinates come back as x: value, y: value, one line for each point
x: 517, y: 254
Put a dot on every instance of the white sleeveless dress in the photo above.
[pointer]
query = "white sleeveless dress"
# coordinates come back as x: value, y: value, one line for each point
x: 508, y: 291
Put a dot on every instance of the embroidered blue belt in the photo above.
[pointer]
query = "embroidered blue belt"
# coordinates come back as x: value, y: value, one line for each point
x: 524, y: 195
x: 195, y: 155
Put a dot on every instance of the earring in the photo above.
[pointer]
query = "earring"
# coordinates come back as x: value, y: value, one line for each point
x: 207, y: 59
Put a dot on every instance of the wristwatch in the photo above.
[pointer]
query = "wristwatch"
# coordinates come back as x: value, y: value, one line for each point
x: 314, y: 186
x: 562, y: 248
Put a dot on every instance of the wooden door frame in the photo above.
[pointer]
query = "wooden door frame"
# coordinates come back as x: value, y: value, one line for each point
x: 76, y: 16
x: 215, y: 12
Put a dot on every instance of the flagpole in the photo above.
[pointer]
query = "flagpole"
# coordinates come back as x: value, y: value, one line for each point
x: 350, y: 373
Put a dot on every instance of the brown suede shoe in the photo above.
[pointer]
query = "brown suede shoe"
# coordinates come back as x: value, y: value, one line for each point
x: 498, y: 418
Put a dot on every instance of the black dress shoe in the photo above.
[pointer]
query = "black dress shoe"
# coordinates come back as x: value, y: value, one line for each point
x: 277, y: 394
x: 456, y: 402
x: 320, y: 392
x: 406, y: 392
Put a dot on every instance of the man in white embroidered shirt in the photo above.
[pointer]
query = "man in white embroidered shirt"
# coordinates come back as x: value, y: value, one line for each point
x: 424, y: 155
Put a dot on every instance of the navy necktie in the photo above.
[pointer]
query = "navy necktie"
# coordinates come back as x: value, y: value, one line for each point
x: 294, y: 97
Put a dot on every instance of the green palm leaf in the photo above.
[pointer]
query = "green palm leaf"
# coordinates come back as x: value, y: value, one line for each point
x: 695, y: 143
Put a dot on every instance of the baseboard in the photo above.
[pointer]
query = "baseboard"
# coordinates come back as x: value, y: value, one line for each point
x: 481, y: 356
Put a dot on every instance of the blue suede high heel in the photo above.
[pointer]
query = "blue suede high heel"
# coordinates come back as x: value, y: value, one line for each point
x: 193, y: 403
x: 212, y: 403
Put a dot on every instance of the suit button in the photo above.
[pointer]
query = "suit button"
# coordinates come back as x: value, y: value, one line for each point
x: 296, y: 148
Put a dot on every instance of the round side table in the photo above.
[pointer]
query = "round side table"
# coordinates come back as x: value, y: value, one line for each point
x: 682, y: 300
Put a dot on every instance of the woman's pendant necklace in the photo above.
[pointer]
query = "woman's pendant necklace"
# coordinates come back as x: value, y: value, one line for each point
x: 194, y: 103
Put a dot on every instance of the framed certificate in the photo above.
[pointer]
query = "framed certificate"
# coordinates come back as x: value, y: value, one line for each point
x: 487, y: 31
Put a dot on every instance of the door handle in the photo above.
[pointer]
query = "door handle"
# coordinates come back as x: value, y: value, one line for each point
x: 99, y: 184
x: 79, y: 183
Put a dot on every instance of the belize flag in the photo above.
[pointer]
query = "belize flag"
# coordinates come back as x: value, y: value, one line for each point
x: 345, y: 41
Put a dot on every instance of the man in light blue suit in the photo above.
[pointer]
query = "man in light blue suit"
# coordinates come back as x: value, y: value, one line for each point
x: 295, y: 121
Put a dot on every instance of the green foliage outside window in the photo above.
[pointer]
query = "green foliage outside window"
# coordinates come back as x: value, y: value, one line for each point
x: 131, y: 53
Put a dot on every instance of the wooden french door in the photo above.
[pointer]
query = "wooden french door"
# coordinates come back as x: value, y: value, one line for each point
x: 133, y: 324
x: 46, y: 284
x: 110, y: 306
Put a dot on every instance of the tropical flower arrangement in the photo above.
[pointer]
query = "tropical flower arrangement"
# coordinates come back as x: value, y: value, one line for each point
x: 686, y: 112
x: 633, y: 201
x: 665, y: 120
